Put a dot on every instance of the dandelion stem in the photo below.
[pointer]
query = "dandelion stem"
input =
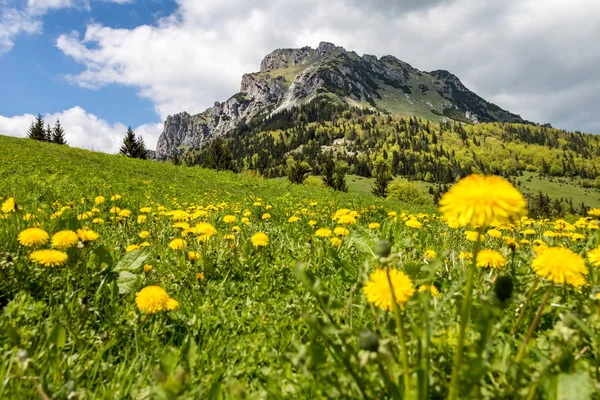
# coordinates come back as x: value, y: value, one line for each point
x: 400, y: 329
x: 533, y: 325
x: 525, y: 304
x: 464, y: 320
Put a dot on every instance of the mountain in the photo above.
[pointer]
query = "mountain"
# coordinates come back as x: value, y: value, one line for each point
x: 291, y: 77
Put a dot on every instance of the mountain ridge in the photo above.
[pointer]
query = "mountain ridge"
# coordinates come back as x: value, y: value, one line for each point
x: 294, y: 76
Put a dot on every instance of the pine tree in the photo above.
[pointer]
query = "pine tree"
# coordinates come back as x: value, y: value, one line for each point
x: 131, y: 145
x: 141, y: 149
x: 219, y: 157
x: 48, y: 134
x: 58, y: 134
x: 340, y: 176
x: 327, y: 171
x: 381, y: 173
x: 36, y: 130
x: 297, y: 171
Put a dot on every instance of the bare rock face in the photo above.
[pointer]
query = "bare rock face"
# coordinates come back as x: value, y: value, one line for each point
x: 290, y: 77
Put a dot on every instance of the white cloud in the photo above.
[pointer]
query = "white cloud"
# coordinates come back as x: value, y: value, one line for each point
x: 83, y: 129
x: 14, y: 22
x: 509, y: 51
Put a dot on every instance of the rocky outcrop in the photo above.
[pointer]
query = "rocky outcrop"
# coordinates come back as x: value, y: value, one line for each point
x: 289, y: 77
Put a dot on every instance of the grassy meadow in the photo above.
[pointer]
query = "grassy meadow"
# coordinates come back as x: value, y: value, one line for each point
x: 268, y: 284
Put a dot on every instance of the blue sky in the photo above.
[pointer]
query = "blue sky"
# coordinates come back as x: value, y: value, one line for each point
x: 102, y: 65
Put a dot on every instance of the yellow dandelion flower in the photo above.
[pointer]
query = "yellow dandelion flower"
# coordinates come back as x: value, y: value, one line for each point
x: 145, y: 244
x: 432, y: 289
x: 147, y: 268
x: 33, y: 237
x: 593, y: 257
x: 341, y: 231
x: 193, y: 256
x: 171, y: 305
x: 293, y: 219
x: 577, y: 236
x: 99, y: 200
x: 259, y: 239
x: 131, y: 247
x: 64, y: 239
x: 145, y: 210
x: 115, y: 197
x: 229, y: 236
x: 312, y: 222
x: 177, y: 244
x: 236, y: 229
x: 472, y: 236
x: 336, y: 242
x: 481, y: 200
x: 490, y: 259
x: 266, y: 216
x: 511, y: 243
x: 87, y: 235
x: 200, y: 276
x: 430, y: 254
x: 151, y: 299
x: 115, y: 210
x: 144, y: 235
x: 28, y: 217
x: 392, y: 213
x: 9, y: 205
x: 323, y: 232
x: 528, y: 232
x: 560, y: 265
x: 594, y: 212
x: 204, y: 228
x: 124, y: 213
x: 379, y: 293
x: 228, y: 219
x: 413, y: 223
x: 465, y: 255
x: 49, y: 258
x: 347, y: 220
x: 374, y: 225
x: 494, y: 233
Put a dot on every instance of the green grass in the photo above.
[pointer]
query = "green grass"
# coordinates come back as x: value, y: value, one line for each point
x: 285, y: 320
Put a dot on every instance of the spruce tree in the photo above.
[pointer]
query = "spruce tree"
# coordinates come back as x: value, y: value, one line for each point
x: 48, y: 134
x: 219, y: 157
x: 381, y: 173
x: 58, y: 134
x: 130, y: 144
x: 327, y: 171
x: 340, y: 176
x: 36, y: 130
x: 297, y: 171
x: 141, y: 149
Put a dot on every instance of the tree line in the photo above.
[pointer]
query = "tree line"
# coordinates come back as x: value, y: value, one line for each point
x: 44, y: 133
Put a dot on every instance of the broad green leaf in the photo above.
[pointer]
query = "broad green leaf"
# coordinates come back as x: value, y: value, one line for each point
x: 127, y: 282
x: 131, y: 261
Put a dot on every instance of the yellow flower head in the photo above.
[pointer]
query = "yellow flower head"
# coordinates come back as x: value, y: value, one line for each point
x: 193, y: 256
x: 378, y: 292
x: 33, y: 237
x: 9, y: 206
x: 177, y: 244
x: 593, y: 257
x: 472, y: 236
x: 323, y: 232
x: 560, y: 265
x: 430, y: 254
x: 151, y: 299
x: 336, y: 242
x: 490, y: 259
x: 147, y: 268
x: 266, y: 216
x: 171, y: 305
x: 465, y: 255
x: 494, y: 233
x: 49, y: 258
x: 293, y: 219
x: 341, y: 231
x: 432, y: 289
x: 236, y: 229
x: 259, y: 239
x: 594, y: 212
x: 312, y: 222
x: 413, y: 223
x: 99, y: 200
x: 131, y: 247
x: 511, y: 243
x: 144, y: 235
x: 346, y: 220
x: 374, y: 225
x: 87, y: 235
x: 229, y: 219
x: 204, y: 228
x: 64, y: 239
x: 482, y: 200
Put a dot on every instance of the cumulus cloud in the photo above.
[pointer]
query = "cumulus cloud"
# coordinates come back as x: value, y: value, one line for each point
x: 83, y: 129
x: 13, y: 23
x: 525, y: 55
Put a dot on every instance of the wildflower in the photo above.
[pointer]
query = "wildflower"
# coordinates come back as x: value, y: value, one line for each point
x: 228, y: 236
x: 473, y: 235
x: 524, y: 241
x: 430, y: 254
x: 9, y: 205
x: 200, y: 276
x: 99, y: 200
x: 323, y: 232
x: 511, y: 243
x: 177, y: 244
x: 147, y: 268
x: 64, y: 239
x: 229, y: 219
x: 87, y: 235
x: 312, y: 222
x: 465, y: 255
x: 341, y: 231
x: 124, y: 213
x: 131, y: 247
x: 593, y: 257
x: 560, y: 265
x: 171, y: 305
x: 490, y: 259
x: 413, y: 223
x: 379, y: 293
x: 145, y: 210
x: 193, y: 256
x: 347, y: 220
x: 392, y: 213
x: 293, y: 219
x: 97, y: 221
x: 49, y: 258
x: 266, y: 216
x: 259, y: 239
x: 594, y: 212
x: 32, y: 237
x: 432, y: 289
x: 144, y: 234
x: 115, y: 197
x: 204, y: 228
x: 528, y: 232
x: 577, y: 236
x: 481, y: 200
x: 494, y: 233
x: 144, y: 244
x: 115, y: 210
x: 151, y: 299
x: 236, y: 229
x: 335, y: 242
x: 374, y: 225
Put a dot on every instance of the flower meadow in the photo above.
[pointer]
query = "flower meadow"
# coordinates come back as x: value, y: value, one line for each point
x: 133, y: 279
